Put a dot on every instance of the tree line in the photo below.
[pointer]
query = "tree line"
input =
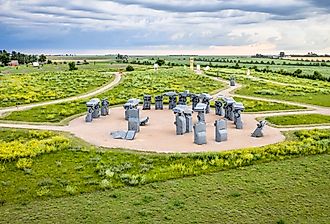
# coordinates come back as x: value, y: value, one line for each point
x: 226, y: 60
x: 6, y: 57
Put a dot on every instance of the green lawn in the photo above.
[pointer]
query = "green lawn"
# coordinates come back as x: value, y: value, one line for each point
x: 299, y: 119
x: 133, y: 85
x: 291, y: 191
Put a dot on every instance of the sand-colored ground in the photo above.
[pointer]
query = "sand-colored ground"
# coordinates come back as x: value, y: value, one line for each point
x: 159, y: 135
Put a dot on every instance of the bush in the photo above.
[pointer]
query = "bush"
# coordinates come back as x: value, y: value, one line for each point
x: 71, y: 189
x: 2, y: 168
x: 105, y: 184
x: 72, y: 66
x: 160, y: 62
x: 317, y: 75
x: 44, y: 191
x: 266, y: 92
x: 129, y: 68
x: 24, y: 163
x: 17, y: 149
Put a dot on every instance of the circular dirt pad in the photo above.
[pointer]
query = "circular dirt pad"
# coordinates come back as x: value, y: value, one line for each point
x: 159, y: 134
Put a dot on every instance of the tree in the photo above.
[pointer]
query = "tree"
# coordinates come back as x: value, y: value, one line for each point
x: 4, y: 57
x: 72, y: 66
x: 317, y: 75
x: 298, y: 71
x: 42, y: 58
x: 160, y: 62
x: 14, y: 55
x: 129, y: 68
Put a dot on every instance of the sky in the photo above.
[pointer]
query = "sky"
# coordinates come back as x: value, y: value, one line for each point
x: 204, y: 27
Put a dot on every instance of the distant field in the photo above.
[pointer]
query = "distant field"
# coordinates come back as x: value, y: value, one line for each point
x: 97, y: 66
x: 307, y: 68
x: 81, y: 57
x: 308, y: 58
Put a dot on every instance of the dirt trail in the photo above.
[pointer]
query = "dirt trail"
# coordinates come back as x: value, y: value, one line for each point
x: 82, y: 96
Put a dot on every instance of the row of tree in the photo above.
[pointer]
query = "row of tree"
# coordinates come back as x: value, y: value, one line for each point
x: 316, y: 75
x: 226, y: 60
x: 297, y: 73
x: 6, y: 57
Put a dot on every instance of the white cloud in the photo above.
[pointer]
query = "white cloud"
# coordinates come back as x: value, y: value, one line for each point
x: 192, y: 25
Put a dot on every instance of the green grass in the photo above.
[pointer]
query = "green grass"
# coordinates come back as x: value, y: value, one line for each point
x: 74, y: 167
x: 300, y: 90
x: 291, y: 191
x: 35, y: 87
x: 299, y: 119
x: 133, y: 85
x: 259, y: 105
x: 53, y: 113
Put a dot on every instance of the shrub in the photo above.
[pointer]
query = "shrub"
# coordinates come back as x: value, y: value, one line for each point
x: 17, y: 149
x: 45, y: 182
x: 2, y: 168
x: 72, y: 66
x: 58, y: 163
x: 71, y: 189
x: 109, y: 173
x: 266, y: 92
x: 129, y: 68
x: 160, y: 62
x: 44, y: 191
x: 131, y: 179
x: 24, y: 163
x: 105, y: 184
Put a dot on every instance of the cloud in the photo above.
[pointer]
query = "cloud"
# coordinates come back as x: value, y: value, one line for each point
x: 172, y: 24
x: 281, y: 7
x: 325, y: 4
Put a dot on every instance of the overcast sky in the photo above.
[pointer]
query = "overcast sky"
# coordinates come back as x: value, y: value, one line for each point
x: 165, y: 27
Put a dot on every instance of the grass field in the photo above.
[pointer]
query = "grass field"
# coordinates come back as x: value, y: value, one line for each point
x: 299, y: 119
x: 52, y: 177
x: 28, y: 88
x: 259, y: 105
x: 307, y: 94
x: 42, y: 164
x: 133, y: 85
x: 291, y: 191
x: 302, y: 90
